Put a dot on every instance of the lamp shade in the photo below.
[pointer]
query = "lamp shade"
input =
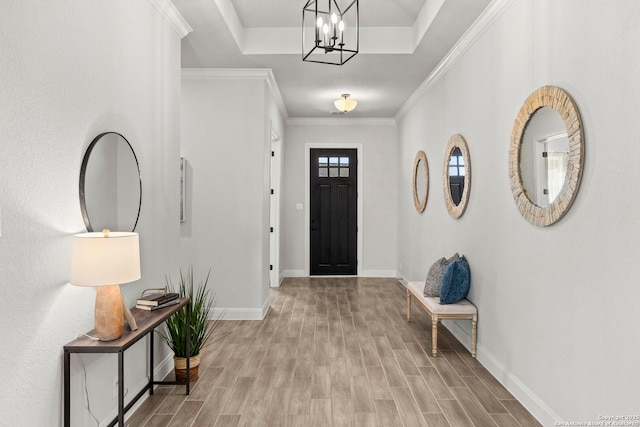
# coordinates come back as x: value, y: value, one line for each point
x: 108, y: 258
x: 345, y: 104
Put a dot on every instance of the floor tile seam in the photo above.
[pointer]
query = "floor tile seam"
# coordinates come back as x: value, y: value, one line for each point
x: 445, y: 414
x: 492, y: 394
x: 416, y: 400
x: 513, y: 415
x: 431, y: 388
x: 468, y: 411
x: 486, y: 383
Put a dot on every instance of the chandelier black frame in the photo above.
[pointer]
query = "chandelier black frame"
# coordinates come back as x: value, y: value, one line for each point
x: 326, y: 27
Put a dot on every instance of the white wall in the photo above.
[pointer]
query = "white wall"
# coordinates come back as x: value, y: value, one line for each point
x: 226, y: 118
x: 379, y: 167
x: 558, y: 305
x: 69, y: 71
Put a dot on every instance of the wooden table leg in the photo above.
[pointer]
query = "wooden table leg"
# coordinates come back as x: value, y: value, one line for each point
x: 474, y: 335
x: 434, y: 335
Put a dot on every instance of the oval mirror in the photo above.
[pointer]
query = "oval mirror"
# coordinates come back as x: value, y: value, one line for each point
x: 546, y: 156
x: 110, y: 185
x: 457, y: 175
x: 420, y: 181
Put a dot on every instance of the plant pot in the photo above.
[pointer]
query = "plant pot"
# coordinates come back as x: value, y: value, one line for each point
x: 180, y: 367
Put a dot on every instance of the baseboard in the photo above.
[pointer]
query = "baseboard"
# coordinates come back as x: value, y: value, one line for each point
x: 241, y: 313
x: 364, y: 273
x: 378, y: 273
x: 293, y: 273
x: 528, y: 399
x: 458, y: 332
x: 159, y: 373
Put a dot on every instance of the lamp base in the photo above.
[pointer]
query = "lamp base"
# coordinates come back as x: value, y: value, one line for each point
x: 109, y: 316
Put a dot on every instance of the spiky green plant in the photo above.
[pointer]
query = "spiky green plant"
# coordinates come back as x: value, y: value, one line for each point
x: 203, y: 302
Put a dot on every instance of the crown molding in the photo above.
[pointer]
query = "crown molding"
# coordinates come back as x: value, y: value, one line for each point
x: 342, y: 121
x: 226, y: 73
x: 486, y: 19
x: 240, y: 74
x: 168, y: 10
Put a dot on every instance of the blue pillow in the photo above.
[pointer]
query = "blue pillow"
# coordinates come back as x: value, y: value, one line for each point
x: 456, y: 282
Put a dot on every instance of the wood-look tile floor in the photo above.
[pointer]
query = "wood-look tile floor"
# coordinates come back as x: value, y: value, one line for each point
x: 336, y: 352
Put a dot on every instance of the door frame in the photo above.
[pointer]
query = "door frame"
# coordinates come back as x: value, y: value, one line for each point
x: 358, y: 146
x: 275, y: 166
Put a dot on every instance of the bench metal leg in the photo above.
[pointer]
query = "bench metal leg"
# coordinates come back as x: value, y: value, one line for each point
x: 434, y: 335
x: 408, y: 306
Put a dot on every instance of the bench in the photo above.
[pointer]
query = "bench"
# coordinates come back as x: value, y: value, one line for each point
x: 460, y: 310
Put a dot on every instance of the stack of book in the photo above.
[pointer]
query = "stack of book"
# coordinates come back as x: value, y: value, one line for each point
x: 157, y: 300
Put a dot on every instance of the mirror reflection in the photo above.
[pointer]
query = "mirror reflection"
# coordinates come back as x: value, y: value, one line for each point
x: 421, y: 184
x: 110, y: 187
x: 456, y: 175
x: 420, y: 181
x: 544, y: 156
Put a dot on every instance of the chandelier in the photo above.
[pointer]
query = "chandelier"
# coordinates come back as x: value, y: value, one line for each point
x: 330, y: 34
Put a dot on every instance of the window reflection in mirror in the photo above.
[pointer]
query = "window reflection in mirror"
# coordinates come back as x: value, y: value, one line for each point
x: 456, y: 175
x: 544, y: 156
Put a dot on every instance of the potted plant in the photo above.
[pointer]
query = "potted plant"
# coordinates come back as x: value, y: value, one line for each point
x: 202, y: 303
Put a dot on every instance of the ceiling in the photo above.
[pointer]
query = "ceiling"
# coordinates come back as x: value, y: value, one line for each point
x: 401, y: 42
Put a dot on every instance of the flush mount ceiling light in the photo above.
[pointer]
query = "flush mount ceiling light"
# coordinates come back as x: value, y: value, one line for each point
x: 344, y: 104
x: 330, y: 31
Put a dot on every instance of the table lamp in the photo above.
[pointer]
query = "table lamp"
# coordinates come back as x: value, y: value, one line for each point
x: 105, y: 260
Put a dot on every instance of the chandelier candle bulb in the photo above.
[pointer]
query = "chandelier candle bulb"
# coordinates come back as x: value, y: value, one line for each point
x: 318, y: 26
x: 334, y: 24
x: 330, y: 31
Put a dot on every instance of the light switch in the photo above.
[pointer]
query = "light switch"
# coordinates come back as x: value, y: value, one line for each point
x: 299, y: 206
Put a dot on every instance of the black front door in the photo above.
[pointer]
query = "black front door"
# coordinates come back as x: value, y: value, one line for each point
x: 333, y: 211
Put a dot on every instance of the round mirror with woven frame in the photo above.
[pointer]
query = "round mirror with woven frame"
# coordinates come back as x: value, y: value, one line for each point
x: 560, y: 101
x: 420, y: 181
x: 456, y: 175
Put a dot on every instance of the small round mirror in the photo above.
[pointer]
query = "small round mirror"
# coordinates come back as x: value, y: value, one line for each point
x: 457, y: 175
x: 546, y: 156
x: 420, y: 181
x: 110, y: 185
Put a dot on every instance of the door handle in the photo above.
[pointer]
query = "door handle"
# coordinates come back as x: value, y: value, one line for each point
x: 314, y: 224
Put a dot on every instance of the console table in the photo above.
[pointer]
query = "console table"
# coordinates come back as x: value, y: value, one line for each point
x: 147, y: 321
